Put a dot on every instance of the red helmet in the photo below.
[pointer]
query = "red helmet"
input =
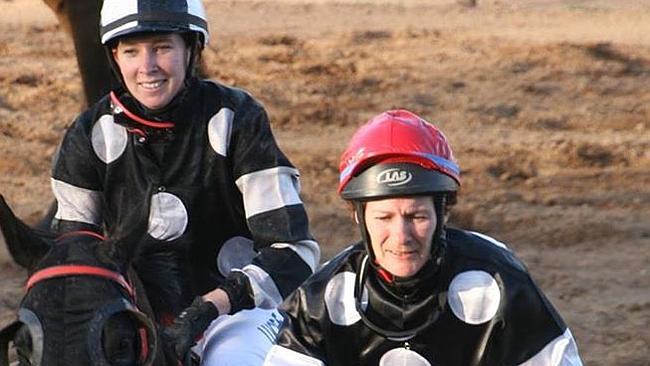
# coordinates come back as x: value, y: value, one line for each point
x: 397, y: 153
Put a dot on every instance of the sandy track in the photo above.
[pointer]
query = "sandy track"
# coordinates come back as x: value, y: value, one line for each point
x: 545, y: 102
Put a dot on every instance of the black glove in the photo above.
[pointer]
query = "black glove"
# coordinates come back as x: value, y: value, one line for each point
x: 188, y: 327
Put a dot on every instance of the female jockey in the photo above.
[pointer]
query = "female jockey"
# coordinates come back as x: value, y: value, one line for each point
x: 228, y: 235
x: 414, y: 291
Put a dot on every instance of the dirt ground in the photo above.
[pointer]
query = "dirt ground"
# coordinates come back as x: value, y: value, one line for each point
x: 546, y: 104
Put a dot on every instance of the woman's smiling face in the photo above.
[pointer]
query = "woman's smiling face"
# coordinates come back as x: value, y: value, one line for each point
x: 153, y: 67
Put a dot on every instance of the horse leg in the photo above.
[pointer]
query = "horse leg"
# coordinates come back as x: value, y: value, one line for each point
x: 80, y: 19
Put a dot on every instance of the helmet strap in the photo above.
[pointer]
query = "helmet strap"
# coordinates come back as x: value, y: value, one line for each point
x: 439, y: 235
x: 360, y: 212
x: 194, y: 45
x: 115, y: 69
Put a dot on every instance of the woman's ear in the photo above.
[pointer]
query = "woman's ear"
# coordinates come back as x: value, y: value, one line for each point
x: 352, y: 211
x: 114, y: 53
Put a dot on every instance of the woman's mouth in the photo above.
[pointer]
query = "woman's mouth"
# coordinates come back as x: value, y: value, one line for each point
x: 152, y: 85
x: 401, y: 253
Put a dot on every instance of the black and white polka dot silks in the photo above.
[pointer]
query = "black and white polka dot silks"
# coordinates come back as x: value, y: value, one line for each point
x: 472, y: 296
x: 219, y: 176
x: 492, y: 312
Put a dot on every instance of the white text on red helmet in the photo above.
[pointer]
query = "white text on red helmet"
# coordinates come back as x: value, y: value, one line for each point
x: 394, y: 177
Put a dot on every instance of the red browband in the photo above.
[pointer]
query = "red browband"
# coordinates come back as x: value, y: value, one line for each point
x: 78, y: 270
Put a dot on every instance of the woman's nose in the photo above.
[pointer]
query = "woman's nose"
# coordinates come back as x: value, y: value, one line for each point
x: 149, y: 62
x: 400, y: 231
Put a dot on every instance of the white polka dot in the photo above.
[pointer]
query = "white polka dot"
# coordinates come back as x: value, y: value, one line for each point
x: 108, y: 139
x: 167, y: 217
x: 219, y: 129
x: 339, y: 299
x: 403, y: 357
x: 474, y: 297
x: 236, y: 252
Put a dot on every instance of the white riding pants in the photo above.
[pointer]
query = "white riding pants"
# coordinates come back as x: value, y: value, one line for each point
x: 242, y: 339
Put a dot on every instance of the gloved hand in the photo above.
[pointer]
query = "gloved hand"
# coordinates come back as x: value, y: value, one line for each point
x: 188, y: 327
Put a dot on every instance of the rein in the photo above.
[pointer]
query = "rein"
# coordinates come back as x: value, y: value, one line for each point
x: 79, y: 233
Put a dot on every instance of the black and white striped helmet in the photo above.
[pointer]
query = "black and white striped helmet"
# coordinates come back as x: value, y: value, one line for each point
x: 123, y: 17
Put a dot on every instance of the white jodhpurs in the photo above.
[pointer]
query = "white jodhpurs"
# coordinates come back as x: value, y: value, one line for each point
x: 242, y: 339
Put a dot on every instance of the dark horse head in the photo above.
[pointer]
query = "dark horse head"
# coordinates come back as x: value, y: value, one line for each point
x: 79, y: 307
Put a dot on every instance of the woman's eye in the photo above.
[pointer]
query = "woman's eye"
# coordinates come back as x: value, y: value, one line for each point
x: 163, y: 47
x: 421, y: 218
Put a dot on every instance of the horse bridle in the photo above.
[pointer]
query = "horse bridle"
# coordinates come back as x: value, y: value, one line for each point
x: 147, y: 335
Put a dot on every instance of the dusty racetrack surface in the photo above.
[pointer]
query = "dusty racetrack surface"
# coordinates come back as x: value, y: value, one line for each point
x: 546, y: 103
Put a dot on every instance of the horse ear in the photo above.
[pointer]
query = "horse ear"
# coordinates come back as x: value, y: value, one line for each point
x: 25, y: 245
x: 125, y: 241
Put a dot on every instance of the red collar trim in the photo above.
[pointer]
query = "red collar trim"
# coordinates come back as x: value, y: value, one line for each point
x: 78, y: 270
x: 384, y: 274
x: 135, y: 117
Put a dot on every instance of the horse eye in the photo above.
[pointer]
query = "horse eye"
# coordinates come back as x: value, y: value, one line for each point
x: 23, y: 346
x: 120, y: 340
